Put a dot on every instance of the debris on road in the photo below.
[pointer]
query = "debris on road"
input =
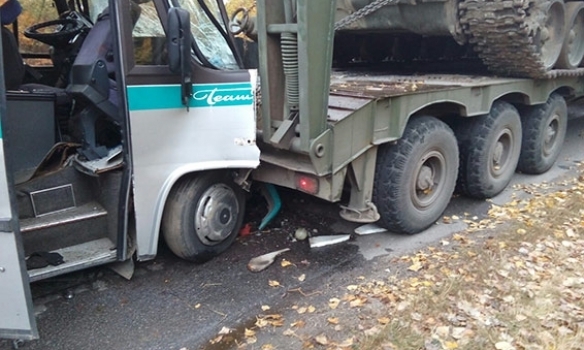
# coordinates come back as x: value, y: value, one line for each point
x: 301, y: 234
x: 260, y: 263
x: 369, y: 229
x: 321, y: 241
x: 274, y: 204
x: 245, y: 230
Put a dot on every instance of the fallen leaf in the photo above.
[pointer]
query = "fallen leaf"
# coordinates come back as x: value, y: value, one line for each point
x: 248, y: 333
x: 333, y: 320
x: 357, y: 302
x: 451, y: 345
x: 334, y: 303
x: 265, y: 307
x: 275, y: 320
x: 216, y: 339
x: 273, y: 283
x: 268, y: 347
x: 298, y: 324
x: 383, y: 320
x: 285, y: 263
x: 289, y: 332
x: 415, y: 266
x: 321, y: 339
x: 302, y: 277
x: 311, y: 309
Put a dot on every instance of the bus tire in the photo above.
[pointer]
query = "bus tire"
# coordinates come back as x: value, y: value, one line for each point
x: 202, y: 216
x: 544, y: 131
x: 415, y: 176
x: 489, y: 151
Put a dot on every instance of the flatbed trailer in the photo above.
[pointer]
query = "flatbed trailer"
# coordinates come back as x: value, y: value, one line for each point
x: 400, y: 141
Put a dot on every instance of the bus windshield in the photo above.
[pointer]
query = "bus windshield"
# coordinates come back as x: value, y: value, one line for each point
x: 207, y: 36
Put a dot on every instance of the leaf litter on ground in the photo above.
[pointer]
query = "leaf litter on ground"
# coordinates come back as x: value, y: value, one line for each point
x: 512, y: 280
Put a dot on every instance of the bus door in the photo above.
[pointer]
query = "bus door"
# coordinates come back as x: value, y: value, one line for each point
x: 16, y: 316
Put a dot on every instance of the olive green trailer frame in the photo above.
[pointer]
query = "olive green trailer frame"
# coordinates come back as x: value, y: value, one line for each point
x: 366, y: 110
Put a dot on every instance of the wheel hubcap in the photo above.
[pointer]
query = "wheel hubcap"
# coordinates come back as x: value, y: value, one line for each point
x: 501, y: 153
x: 428, y: 182
x: 216, y: 214
x: 550, y: 136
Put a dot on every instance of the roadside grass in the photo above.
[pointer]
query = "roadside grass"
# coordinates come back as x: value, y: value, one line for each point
x: 518, y: 284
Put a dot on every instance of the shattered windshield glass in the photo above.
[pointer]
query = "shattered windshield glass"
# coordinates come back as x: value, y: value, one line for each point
x: 207, y: 36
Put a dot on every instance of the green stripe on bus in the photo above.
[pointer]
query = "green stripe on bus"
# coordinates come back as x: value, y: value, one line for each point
x: 148, y: 97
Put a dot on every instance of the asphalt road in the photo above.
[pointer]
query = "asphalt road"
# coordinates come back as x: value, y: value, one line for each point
x: 173, y: 304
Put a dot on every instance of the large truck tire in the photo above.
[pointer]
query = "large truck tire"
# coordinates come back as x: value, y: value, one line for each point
x: 489, y: 151
x: 544, y: 131
x: 415, y: 176
x: 202, y: 216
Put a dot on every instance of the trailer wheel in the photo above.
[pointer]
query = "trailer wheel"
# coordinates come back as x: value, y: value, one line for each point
x: 202, y: 216
x: 544, y: 131
x: 416, y: 176
x: 489, y: 151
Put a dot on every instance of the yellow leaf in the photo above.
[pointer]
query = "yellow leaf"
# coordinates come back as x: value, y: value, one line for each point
x: 352, y: 287
x: 357, y: 302
x: 383, y: 320
x: 311, y: 309
x: 451, y: 345
x: 333, y: 320
x: 248, y: 333
x: 268, y: 347
x: 302, y: 277
x: 261, y: 322
x: 301, y: 310
x: 273, y: 283
x: 415, y: 266
x: 334, y: 303
x: 265, y: 307
x: 285, y: 263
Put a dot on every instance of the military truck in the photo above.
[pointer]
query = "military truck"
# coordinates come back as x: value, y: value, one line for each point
x: 143, y: 120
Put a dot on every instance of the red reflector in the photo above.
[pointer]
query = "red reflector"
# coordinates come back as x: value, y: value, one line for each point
x: 307, y: 184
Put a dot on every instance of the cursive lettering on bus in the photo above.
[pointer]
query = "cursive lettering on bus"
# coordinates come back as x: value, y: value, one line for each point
x: 217, y: 96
